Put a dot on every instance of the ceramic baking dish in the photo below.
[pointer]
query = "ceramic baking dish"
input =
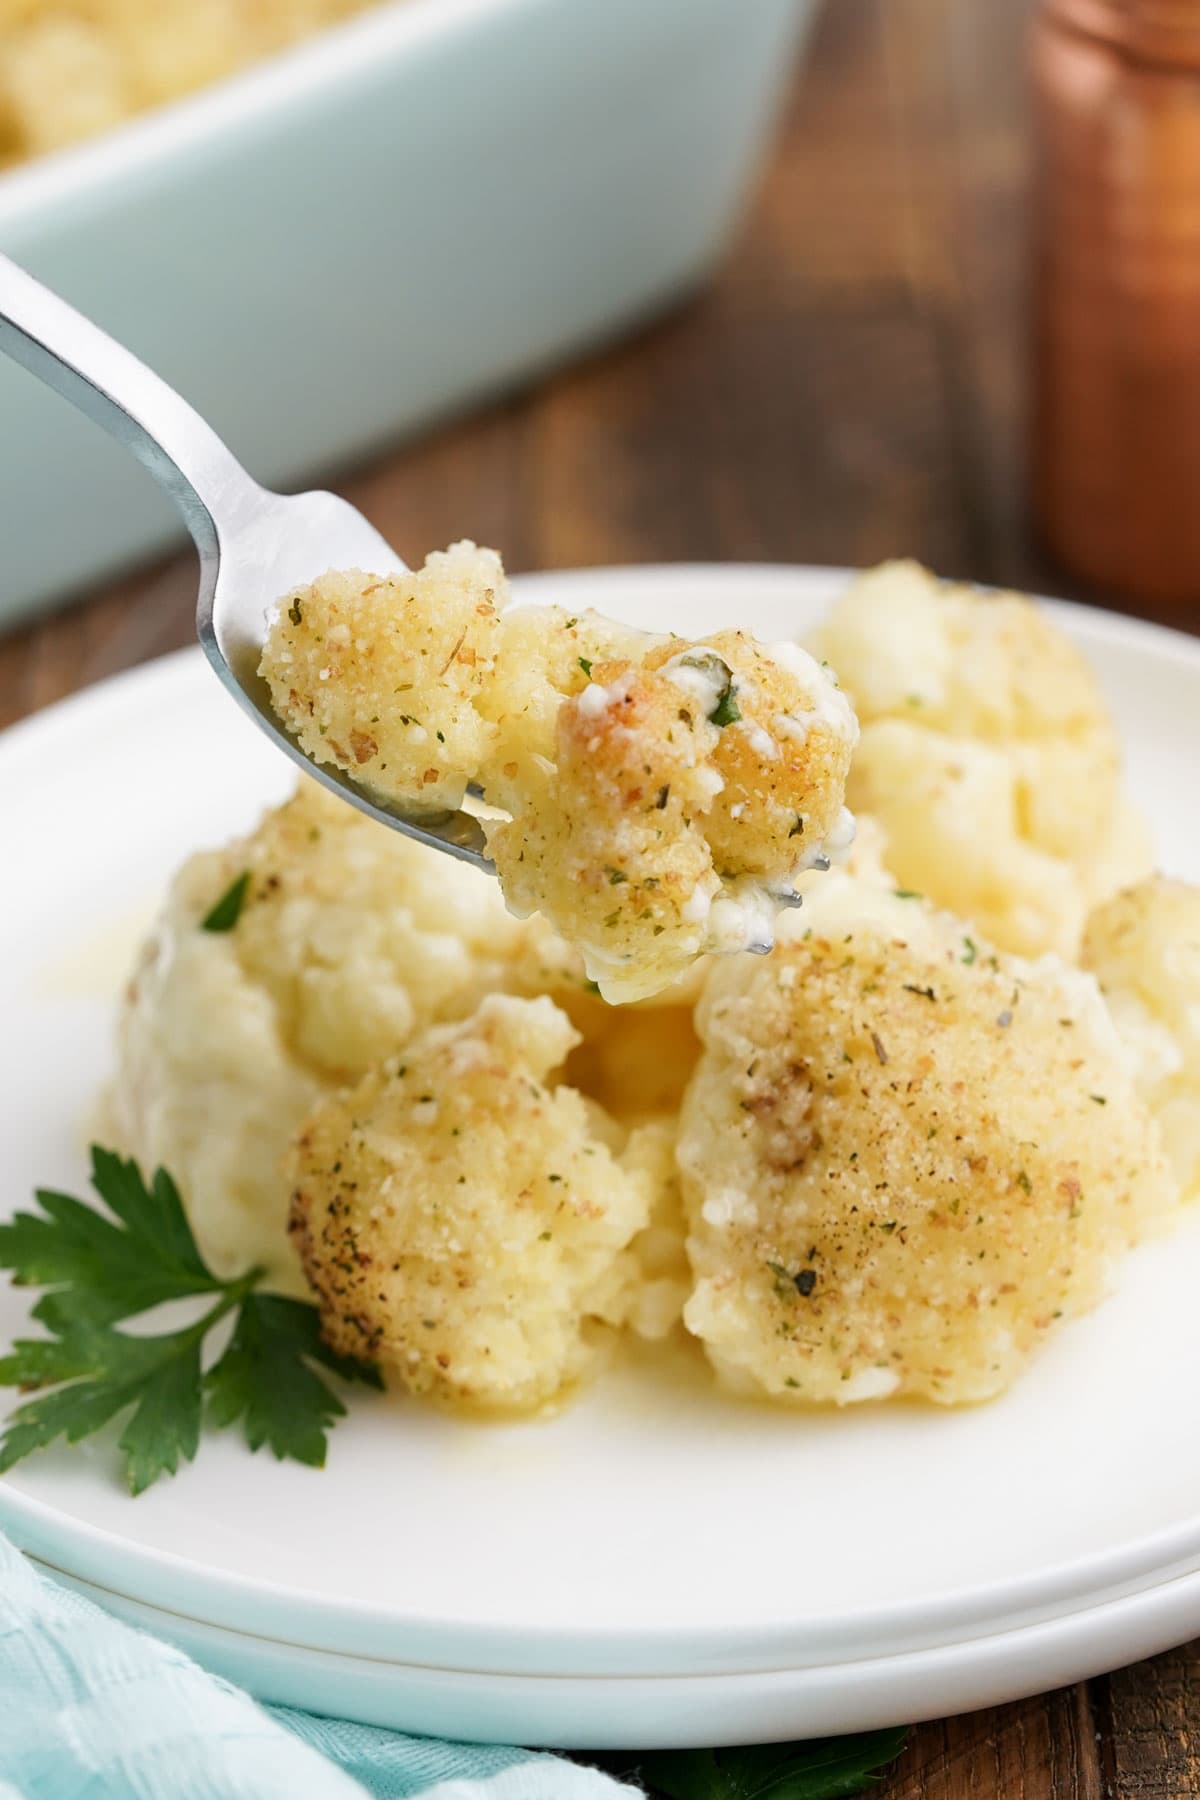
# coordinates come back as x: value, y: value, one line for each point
x: 425, y: 205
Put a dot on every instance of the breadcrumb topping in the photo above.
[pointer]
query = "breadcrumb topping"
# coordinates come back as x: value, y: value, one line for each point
x: 662, y: 796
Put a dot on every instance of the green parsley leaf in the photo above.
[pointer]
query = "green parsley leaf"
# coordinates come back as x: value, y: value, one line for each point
x: 108, y: 1372
x: 586, y: 666
x: 907, y: 894
x: 294, y: 613
x: 104, y: 1265
x: 727, y: 710
x: 825, y: 1769
x: 115, y: 1266
x: 228, y: 909
x: 264, y: 1379
x: 970, y: 950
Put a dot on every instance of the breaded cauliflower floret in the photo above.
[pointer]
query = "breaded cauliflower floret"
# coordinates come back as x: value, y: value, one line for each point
x: 686, y: 795
x: 904, y: 1157
x: 350, y: 938
x: 987, y: 754
x: 1143, y: 946
x: 544, y: 656
x: 464, y: 1223
x: 663, y: 796
x: 378, y: 675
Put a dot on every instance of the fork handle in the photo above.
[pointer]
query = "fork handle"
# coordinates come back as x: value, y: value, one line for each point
x: 104, y: 380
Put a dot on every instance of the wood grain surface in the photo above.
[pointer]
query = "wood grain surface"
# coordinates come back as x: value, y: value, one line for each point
x: 851, y: 387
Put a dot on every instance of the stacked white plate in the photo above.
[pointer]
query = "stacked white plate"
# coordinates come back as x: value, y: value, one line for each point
x: 657, y: 1565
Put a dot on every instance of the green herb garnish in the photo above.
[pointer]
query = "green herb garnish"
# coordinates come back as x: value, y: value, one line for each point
x: 970, y: 950
x: 228, y: 910
x: 586, y: 666
x: 727, y: 711
x: 907, y: 894
x: 787, y: 1285
x: 104, y: 1265
x: 823, y: 1769
x: 294, y: 613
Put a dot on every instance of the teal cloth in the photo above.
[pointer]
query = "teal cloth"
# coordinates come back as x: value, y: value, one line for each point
x: 91, y: 1709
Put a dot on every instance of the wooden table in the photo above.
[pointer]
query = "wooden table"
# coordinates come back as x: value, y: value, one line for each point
x: 851, y: 388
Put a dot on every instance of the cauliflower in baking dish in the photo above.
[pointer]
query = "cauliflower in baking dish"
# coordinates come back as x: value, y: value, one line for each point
x: 904, y: 1157
x: 72, y: 68
x: 465, y: 1223
x: 1144, y: 948
x: 986, y: 753
x: 348, y: 939
x: 662, y: 796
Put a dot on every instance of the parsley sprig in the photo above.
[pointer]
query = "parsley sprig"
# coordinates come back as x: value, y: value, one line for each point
x: 102, y: 1266
x: 822, y: 1769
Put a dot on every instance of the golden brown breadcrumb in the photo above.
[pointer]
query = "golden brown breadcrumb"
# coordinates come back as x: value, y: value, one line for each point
x: 463, y: 1222
x: 905, y: 1157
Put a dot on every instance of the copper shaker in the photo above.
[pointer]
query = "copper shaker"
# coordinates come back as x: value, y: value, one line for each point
x: 1116, y: 213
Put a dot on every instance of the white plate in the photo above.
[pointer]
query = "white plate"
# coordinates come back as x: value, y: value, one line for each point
x: 651, y: 1712
x: 654, y: 1529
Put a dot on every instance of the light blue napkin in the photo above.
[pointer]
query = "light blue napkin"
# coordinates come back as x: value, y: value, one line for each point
x: 91, y: 1709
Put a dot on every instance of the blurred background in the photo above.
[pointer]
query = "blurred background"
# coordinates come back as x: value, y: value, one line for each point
x: 845, y: 300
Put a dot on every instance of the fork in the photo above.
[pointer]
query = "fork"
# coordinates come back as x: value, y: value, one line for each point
x: 255, y: 546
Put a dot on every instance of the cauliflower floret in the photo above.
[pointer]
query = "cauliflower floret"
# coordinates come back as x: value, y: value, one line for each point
x: 462, y: 1222
x: 378, y: 674
x: 686, y: 795
x: 664, y: 1277
x: 207, y: 1086
x: 663, y: 797
x: 350, y: 938
x: 543, y: 656
x: 904, y: 1156
x: 987, y: 754
x: 1144, y: 948
x: 61, y: 78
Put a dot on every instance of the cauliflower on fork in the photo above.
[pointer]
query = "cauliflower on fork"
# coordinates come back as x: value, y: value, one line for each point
x: 685, y: 795
x: 663, y: 797
x: 378, y: 674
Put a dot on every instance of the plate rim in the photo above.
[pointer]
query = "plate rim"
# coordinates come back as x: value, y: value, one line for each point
x: 220, y: 1594
x: 570, y: 1712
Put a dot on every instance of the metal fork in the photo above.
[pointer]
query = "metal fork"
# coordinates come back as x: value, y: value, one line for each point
x: 255, y: 546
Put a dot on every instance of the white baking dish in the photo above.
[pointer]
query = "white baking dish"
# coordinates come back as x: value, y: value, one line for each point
x: 425, y: 205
